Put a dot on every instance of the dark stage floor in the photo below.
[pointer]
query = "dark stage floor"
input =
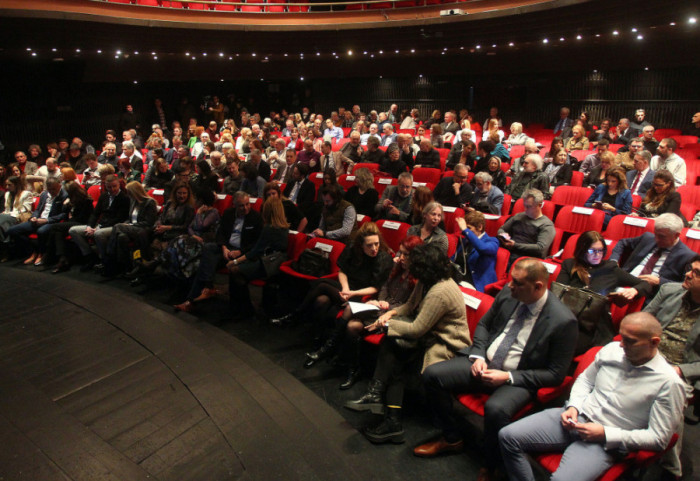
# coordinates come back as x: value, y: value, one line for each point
x: 101, y: 381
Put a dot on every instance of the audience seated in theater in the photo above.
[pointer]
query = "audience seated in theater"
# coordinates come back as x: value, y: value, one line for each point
x: 50, y: 170
x: 602, y: 133
x: 395, y: 203
x: 435, y: 118
x: 650, y: 143
x: 493, y: 115
x: 499, y: 149
x: 694, y: 128
x: 364, y: 266
x: 578, y: 140
x: 91, y: 175
x: 656, y: 258
x: 528, y: 233
x: 216, y: 162
x: 243, y: 141
x: 35, y: 155
x: 640, y: 123
x: 531, y: 177
x: 331, y: 131
x: 411, y: 120
x: 430, y: 327
x: 592, y: 161
x: 624, y: 132
x: 612, y: 196
x: 558, y: 171
x: 300, y: 189
x: 252, y: 184
x: 392, y: 294
x: 640, y: 179
x: 109, y: 155
x: 136, y: 231
x: 134, y: 157
x: 389, y: 136
x: 308, y: 156
x: 373, y: 154
x: 391, y: 163
x: 661, y: 198
x: 598, y: 173
x: 49, y: 211
x: 233, y: 179
x: 516, y: 137
x: 26, y: 167
x: 588, y: 270
x: 524, y: 342
x: 272, y: 240
x: 593, y: 431
x: 427, y: 156
x: 454, y: 191
x: 18, y: 207
x: 77, y: 209
x: 158, y: 176
x: 277, y: 158
x: 292, y: 213
x: 126, y: 173
x: 531, y: 148
x: 112, y: 208
x: 363, y: 195
x: 462, y: 151
x: 436, y: 136
x: 493, y: 132
x: 75, y: 158
x: 373, y: 133
x: 334, y: 161
x: 476, y: 252
x: 420, y: 134
x: 449, y: 127
x: 667, y: 159
x: 564, y: 121
x: 338, y: 216
x: 429, y: 230
x: 484, y: 151
x: 626, y: 159
x: 353, y: 149
x: 487, y: 198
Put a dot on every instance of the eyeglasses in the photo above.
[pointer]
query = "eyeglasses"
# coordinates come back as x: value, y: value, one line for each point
x: 659, y: 185
x: 596, y: 252
x: 694, y: 273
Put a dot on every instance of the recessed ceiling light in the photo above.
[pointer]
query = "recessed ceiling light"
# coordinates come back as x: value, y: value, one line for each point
x: 318, y: 54
x: 478, y: 46
x: 640, y: 37
x: 420, y: 76
x: 262, y: 79
x: 253, y: 54
x: 33, y: 54
x: 673, y: 24
x: 99, y: 51
x: 187, y: 54
x: 230, y: 58
x: 136, y: 52
x: 286, y: 55
x: 493, y: 46
x: 595, y: 71
x: 371, y: 56
x: 349, y: 52
x: 222, y: 80
x: 221, y: 54
x: 546, y: 40
x: 511, y: 44
x: 381, y: 52
x: 692, y: 20
x: 301, y: 78
x: 29, y: 49
x: 53, y: 50
x: 396, y: 51
x: 615, y: 32
x: 597, y: 35
x: 578, y: 37
x: 136, y: 81
x: 634, y: 30
x: 119, y: 52
x: 155, y: 58
x: 646, y: 68
x: 204, y: 54
x: 77, y: 50
x: 413, y: 50
x: 561, y: 39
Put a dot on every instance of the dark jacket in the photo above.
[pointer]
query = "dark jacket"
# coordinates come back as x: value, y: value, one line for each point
x: 106, y: 215
x: 56, y: 213
x: 445, y: 194
x: 252, y: 226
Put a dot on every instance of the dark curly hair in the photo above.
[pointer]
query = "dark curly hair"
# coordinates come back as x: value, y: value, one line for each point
x: 429, y: 265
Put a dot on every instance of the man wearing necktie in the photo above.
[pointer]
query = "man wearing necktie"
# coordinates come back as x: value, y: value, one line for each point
x: 564, y: 120
x: 524, y: 342
x: 656, y: 258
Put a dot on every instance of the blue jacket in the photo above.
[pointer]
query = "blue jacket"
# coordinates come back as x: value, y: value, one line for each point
x: 623, y: 202
x: 56, y: 213
x: 482, y: 258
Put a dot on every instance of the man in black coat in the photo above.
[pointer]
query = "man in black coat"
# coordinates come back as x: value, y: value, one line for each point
x: 454, y: 191
x: 301, y: 190
x: 526, y: 341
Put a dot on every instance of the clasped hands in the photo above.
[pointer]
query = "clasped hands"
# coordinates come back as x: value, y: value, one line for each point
x: 490, y: 377
x: 589, y: 432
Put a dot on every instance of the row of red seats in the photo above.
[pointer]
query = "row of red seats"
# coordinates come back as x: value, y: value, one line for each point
x: 274, y: 6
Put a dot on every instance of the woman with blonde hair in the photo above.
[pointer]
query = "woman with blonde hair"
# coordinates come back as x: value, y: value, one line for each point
x: 578, y: 140
x: 18, y: 208
x: 262, y: 261
x: 493, y: 129
x: 363, y: 195
x: 517, y: 137
x: 598, y: 174
x: 243, y: 142
x: 143, y: 212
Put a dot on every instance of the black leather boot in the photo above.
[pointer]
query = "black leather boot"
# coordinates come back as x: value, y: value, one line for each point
x: 322, y: 353
x: 372, y: 400
x: 354, y: 371
x: 389, y: 430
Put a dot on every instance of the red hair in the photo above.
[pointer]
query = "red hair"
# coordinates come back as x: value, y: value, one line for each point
x: 409, y: 243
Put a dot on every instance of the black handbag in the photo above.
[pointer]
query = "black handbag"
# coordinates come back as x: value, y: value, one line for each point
x: 272, y: 262
x: 593, y: 313
x: 313, y: 262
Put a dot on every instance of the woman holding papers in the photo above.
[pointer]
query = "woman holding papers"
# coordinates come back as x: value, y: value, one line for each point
x: 356, y: 316
x: 431, y: 326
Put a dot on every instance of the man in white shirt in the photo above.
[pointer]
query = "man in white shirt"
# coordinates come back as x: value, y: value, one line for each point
x: 372, y: 133
x: 628, y: 399
x: 667, y: 159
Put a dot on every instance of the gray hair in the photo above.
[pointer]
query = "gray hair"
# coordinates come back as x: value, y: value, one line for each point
x: 364, y: 178
x: 670, y: 222
x: 460, y: 168
x: 127, y: 144
x: 430, y: 206
x: 531, y: 143
x: 537, y: 159
x: 625, y: 120
x: 517, y: 126
x: 536, y: 195
x: 226, y: 146
x: 405, y: 175
x: 484, y: 177
x: 645, y: 154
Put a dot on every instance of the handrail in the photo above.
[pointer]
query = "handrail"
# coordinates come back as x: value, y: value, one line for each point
x: 261, y: 3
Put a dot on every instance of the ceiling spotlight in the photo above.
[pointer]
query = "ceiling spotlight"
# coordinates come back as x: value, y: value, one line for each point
x: 29, y: 49
x: 204, y: 54
x: 381, y: 76
x: 511, y: 44
x: 136, y: 81
x: 615, y: 32
x: 77, y: 50
x: 187, y: 54
x: 493, y: 46
x: 364, y: 53
x: 442, y: 53
x: 221, y: 80
x: 221, y: 54
x: 444, y: 49
x: 318, y: 54
x: 692, y: 20
x: 116, y: 56
x: 546, y: 40
x: 478, y: 47
x: 396, y: 51
x: 136, y: 52
x: 33, y: 54
x: 371, y: 56
x: 634, y: 30
x: 381, y: 52
x: 333, y: 53
x: 253, y: 54
x: 561, y: 39
x: 673, y: 24
x: 578, y: 37
x: 119, y: 52
x: 413, y: 50
x: 193, y: 57
x: 155, y: 58
x: 597, y: 35
x: 230, y: 58
x: 595, y: 71
x: 53, y: 50
x: 646, y: 68
x: 349, y: 52
x: 99, y: 51
x: 640, y: 37
x: 301, y: 78
x: 286, y: 55
x: 262, y: 79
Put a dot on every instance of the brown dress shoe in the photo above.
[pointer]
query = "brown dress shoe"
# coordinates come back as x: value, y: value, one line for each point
x: 207, y: 293
x: 437, y: 447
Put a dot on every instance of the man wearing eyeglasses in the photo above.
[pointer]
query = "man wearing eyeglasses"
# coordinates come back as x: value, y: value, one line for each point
x: 454, y: 191
x: 677, y: 307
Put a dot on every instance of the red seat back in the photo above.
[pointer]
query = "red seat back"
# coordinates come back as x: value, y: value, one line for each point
x: 449, y: 218
x: 623, y: 226
x: 393, y: 232
x: 477, y: 304
x: 426, y: 174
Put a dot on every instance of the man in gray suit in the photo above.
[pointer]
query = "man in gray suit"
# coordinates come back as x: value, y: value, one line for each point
x: 524, y: 342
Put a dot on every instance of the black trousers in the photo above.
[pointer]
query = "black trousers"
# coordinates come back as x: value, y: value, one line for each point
x: 396, y: 363
x: 454, y: 376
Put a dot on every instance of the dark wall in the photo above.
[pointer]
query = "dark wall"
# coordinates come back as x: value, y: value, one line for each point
x: 46, y: 102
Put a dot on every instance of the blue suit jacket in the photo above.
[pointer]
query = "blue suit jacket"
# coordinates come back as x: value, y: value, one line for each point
x: 673, y: 268
x: 482, y: 258
x: 645, y: 185
x: 549, y: 349
x: 56, y: 213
